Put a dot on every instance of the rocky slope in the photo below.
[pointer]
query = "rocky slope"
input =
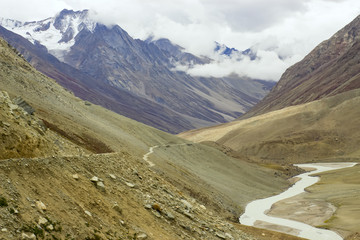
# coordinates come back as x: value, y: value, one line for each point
x: 24, y: 135
x: 104, y: 195
x: 331, y: 68
x: 89, y: 89
x: 143, y: 68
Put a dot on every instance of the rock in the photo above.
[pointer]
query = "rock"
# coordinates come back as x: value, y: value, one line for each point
x: 4, y: 230
x: 156, y: 207
x: 229, y: 236
x: 112, y: 176
x: 117, y: 208
x: 141, y: 236
x: 188, y: 215
x: 220, y: 235
x: 40, y: 205
x: 170, y: 216
x: 28, y: 236
x: 88, y: 213
x: 94, y: 179
x: 186, y: 204
x: 130, y: 184
x: 75, y: 176
x: 24, y: 105
x: 147, y: 206
x: 101, y: 186
x: 157, y: 214
x: 6, y: 124
x: 42, y: 221
x: 202, y: 207
x: 50, y: 227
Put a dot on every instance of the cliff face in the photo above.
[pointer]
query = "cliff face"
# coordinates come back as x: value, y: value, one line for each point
x: 331, y: 68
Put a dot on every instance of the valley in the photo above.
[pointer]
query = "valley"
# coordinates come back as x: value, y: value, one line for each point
x: 88, y: 117
x: 84, y: 140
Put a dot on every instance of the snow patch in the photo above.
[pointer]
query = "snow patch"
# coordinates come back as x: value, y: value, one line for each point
x: 57, y: 41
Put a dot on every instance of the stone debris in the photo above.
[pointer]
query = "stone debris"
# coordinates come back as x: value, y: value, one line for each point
x: 130, y: 184
x: 94, y: 179
x: 170, y: 216
x: 50, y: 227
x: 221, y: 235
x: 101, y: 186
x: 141, y: 236
x: 88, y: 213
x: 4, y: 230
x: 19, y: 101
x: 40, y: 205
x: 112, y: 176
x: 28, y: 236
x: 42, y: 221
x: 75, y: 176
x: 187, y: 204
x: 117, y: 208
x: 229, y: 236
x: 156, y: 207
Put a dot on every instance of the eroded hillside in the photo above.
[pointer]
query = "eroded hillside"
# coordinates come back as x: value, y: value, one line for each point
x: 57, y: 197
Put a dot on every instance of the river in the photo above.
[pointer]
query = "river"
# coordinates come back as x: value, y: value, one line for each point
x: 255, y: 211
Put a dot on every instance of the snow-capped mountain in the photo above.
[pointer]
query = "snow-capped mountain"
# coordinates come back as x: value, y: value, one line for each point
x: 222, y: 49
x: 117, y: 63
x: 57, y: 34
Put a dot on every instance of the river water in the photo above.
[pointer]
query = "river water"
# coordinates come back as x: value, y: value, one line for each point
x: 255, y: 211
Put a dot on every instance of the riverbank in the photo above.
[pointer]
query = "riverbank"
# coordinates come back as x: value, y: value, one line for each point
x: 255, y: 212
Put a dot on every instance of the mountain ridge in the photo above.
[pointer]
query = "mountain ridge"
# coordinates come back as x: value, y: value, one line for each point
x: 115, y: 60
x: 331, y: 68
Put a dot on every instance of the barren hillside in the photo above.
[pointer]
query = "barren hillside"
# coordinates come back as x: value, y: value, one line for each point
x: 317, y: 131
x: 55, y: 196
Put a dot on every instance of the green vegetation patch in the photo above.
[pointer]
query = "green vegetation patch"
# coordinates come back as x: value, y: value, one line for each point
x: 3, y: 202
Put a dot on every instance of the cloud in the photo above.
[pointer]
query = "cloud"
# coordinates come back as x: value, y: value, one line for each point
x: 286, y: 28
x: 267, y: 66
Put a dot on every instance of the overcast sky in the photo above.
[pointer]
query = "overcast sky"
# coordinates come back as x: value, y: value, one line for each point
x: 286, y: 28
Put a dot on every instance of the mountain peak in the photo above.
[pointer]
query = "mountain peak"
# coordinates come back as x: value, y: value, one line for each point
x: 56, y: 33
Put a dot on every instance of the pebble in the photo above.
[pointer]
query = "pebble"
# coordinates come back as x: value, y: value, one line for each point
x: 4, y: 230
x: 202, y: 207
x: 75, y: 176
x: 94, y: 179
x: 186, y: 204
x: 220, y: 235
x: 112, y: 176
x: 141, y: 236
x: 170, y: 216
x: 42, y: 220
x: 101, y: 186
x: 130, y: 185
x: 117, y: 208
x: 40, y: 205
x: 50, y: 227
x: 88, y: 213
x: 28, y: 236
x: 229, y: 236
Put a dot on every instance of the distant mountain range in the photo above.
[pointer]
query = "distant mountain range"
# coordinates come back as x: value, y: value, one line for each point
x: 132, y: 77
